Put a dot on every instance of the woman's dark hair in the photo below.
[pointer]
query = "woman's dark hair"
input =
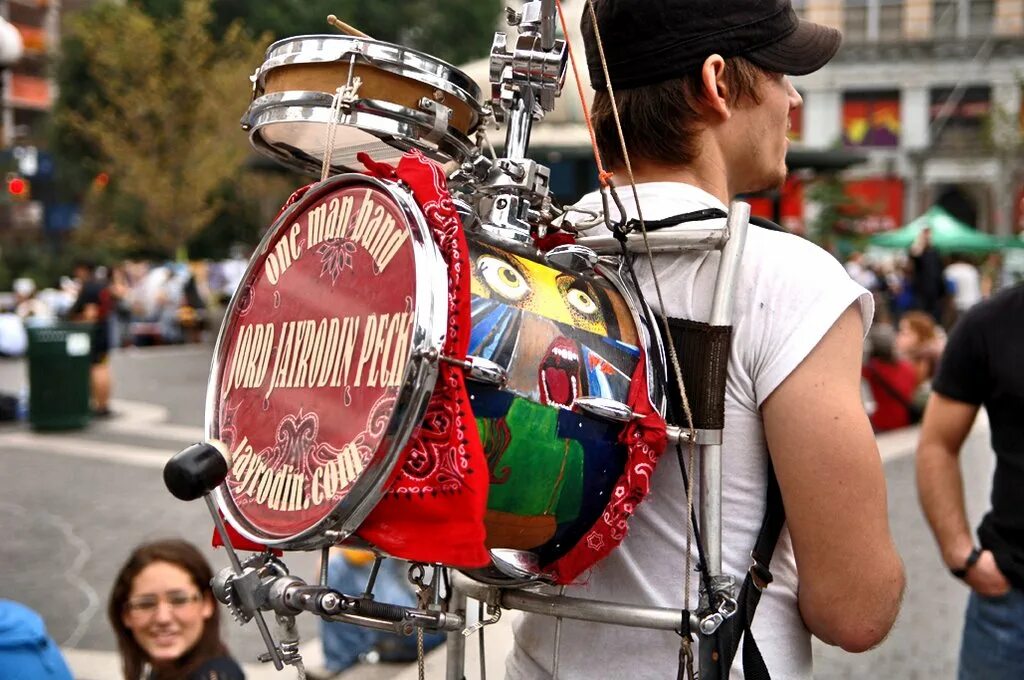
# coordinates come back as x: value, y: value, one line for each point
x: 660, y: 122
x: 181, y: 554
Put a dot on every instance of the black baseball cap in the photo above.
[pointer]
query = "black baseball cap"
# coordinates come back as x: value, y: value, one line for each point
x: 650, y: 41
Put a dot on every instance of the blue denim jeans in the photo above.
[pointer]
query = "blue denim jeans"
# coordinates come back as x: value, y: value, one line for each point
x: 993, y: 643
x: 343, y: 643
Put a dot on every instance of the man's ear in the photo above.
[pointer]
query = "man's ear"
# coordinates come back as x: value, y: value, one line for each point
x: 716, y: 94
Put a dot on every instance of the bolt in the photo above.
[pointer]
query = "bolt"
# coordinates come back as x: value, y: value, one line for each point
x: 330, y: 602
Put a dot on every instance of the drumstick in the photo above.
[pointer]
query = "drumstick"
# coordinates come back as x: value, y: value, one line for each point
x: 345, y: 28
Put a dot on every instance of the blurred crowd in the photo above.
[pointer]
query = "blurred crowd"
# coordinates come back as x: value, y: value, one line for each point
x: 141, y: 302
x: 919, y: 296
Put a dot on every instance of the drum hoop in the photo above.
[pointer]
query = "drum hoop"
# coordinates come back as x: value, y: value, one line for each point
x: 313, y: 107
x: 650, y: 337
x: 428, y: 337
x: 395, y: 59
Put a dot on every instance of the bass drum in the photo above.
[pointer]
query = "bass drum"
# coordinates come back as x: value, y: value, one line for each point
x: 320, y: 372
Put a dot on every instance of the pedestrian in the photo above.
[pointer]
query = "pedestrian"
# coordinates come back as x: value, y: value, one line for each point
x: 929, y: 282
x: 981, y: 367
x: 920, y: 341
x: 966, y: 281
x: 165, y: 617
x: 93, y: 305
x: 345, y: 644
x: 892, y: 380
x: 27, y: 652
x: 705, y: 103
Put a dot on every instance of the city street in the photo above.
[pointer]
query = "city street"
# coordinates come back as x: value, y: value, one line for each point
x: 73, y: 505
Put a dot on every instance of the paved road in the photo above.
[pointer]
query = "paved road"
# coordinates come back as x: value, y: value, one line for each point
x: 72, y: 506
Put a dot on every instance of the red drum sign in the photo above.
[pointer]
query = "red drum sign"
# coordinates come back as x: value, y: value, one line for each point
x: 313, y: 357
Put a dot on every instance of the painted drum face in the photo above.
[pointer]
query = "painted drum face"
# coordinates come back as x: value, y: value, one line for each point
x: 561, y: 337
x: 313, y: 357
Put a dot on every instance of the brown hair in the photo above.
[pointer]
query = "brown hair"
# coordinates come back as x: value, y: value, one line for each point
x: 660, y: 122
x: 922, y: 324
x: 181, y: 554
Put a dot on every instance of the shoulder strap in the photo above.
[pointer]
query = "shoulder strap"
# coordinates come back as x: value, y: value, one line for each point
x: 726, y: 641
x: 888, y: 387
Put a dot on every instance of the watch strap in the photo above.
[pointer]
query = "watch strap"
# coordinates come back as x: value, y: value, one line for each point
x: 972, y: 559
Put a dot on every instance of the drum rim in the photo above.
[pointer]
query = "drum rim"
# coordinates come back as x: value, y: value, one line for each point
x: 651, y: 341
x: 428, y: 336
x: 304, y: 106
x: 391, y: 57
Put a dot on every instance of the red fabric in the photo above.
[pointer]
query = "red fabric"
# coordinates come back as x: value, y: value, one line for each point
x: 645, y: 441
x: 889, y: 412
x: 296, y: 195
x: 434, y: 508
x: 557, y: 238
x: 238, y: 541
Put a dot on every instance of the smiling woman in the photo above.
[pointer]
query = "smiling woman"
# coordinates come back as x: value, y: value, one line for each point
x: 166, y: 620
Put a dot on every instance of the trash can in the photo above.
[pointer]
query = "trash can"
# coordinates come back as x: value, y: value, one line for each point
x: 59, y: 364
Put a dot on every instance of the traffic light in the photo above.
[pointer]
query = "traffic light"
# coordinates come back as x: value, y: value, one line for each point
x: 17, y: 187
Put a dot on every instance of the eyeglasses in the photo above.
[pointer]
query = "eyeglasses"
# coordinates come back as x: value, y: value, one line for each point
x: 146, y: 605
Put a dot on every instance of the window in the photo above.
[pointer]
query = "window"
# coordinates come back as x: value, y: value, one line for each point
x: 855, y: 20
x: 957, y: 117
x: 980, y: 17
x: 890, y: 20
x: 871, y: 118
x: 944, y: 18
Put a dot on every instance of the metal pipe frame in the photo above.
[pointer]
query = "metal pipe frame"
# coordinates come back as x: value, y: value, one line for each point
x: 662, y: 241
x: 598, y: 611
x: 711, y: 454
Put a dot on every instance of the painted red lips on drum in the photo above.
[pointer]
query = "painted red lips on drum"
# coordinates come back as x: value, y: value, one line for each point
x: 559, y: 374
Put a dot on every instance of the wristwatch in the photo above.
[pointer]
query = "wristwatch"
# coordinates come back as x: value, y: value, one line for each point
x: 972, y: 559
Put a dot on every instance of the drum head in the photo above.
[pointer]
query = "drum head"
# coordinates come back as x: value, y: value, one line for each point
x: 320, y: 372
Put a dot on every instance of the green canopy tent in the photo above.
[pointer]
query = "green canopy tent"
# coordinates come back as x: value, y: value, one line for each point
x: 1012, y: 242
x: 948, y: 234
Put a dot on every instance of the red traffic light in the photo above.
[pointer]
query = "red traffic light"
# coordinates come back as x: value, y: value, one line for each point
x: 16, y: 186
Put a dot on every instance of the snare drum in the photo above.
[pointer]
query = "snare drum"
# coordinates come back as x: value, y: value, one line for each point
x: 328, y: 357
x: 399, y: 99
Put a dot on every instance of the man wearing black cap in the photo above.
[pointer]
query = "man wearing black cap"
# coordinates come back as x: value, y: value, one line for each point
x: 704, y: 100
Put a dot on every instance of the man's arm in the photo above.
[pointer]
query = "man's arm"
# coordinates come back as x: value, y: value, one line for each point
x: 833, y: 489
x: 940, y: 487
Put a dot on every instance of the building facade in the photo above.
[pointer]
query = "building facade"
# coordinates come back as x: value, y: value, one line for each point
x: 930, y: 92
x: 923, y: 102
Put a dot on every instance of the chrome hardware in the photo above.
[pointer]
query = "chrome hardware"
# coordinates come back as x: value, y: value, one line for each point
x: 572, y: 257
x: 606, y: 409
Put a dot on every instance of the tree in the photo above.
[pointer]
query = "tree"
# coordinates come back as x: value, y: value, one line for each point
x: 163, y: 119
x: 454, y: 30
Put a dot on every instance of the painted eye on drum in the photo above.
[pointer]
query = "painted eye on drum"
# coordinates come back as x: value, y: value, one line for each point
x: 581, y: 302
x: 503, y: 278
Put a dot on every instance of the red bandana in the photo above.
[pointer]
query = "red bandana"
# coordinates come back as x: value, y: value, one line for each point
x: 645, y: 440
x: 434, y: 508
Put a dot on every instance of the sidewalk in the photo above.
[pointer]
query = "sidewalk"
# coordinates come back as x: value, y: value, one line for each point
x: 95, y: 665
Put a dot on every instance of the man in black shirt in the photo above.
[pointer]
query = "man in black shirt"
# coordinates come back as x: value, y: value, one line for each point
x: 929, y: 281
x: 981, y: 366
x: 93, y: 305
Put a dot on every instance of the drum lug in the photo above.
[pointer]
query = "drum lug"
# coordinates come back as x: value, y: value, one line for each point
x: 442, y: 118
x: 606, y: 409
x: 480, y: 370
